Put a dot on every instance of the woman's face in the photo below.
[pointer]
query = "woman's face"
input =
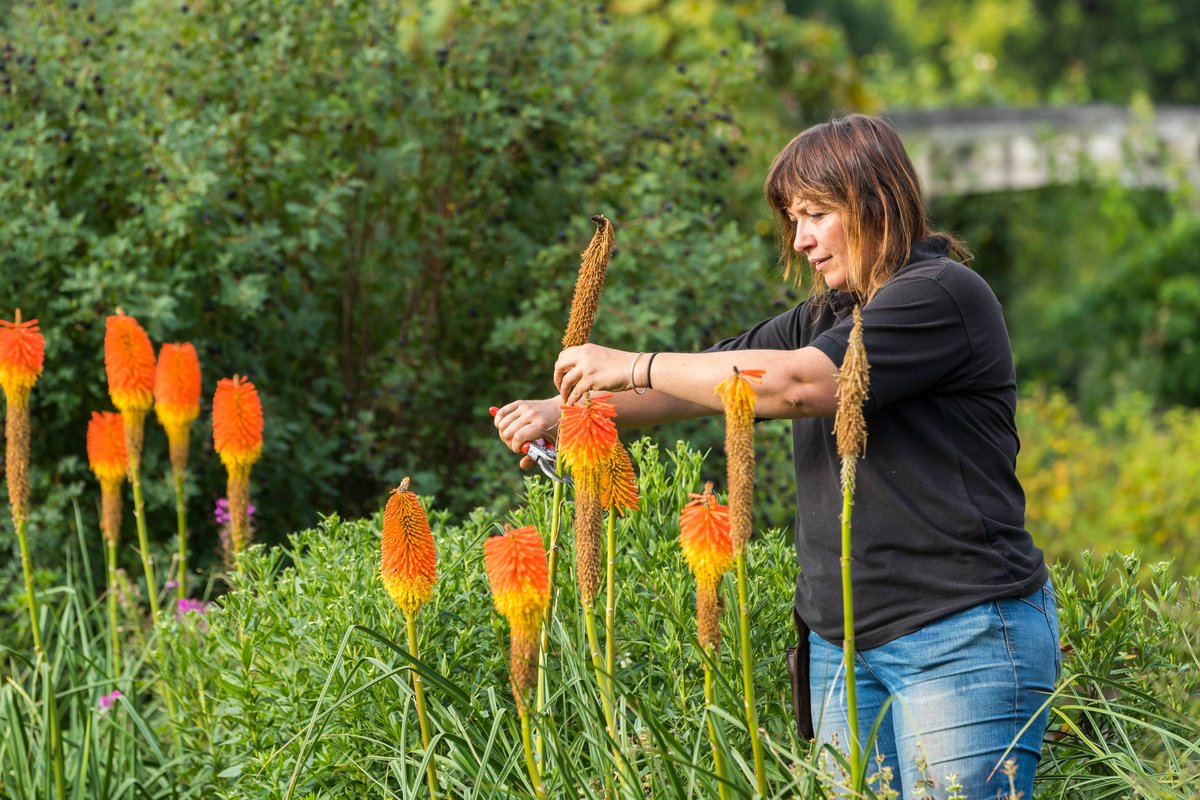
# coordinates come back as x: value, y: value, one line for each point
x: 821, y: 238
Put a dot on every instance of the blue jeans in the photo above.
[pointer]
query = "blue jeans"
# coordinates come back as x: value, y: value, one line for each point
x: 963, y: 686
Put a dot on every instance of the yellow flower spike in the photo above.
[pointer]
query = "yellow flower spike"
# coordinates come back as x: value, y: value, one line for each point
x: 590, y: 282
x: 408, y: 565
x: 738, y: 397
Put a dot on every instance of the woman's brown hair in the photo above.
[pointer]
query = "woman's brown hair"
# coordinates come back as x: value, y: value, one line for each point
x: 857, y: 165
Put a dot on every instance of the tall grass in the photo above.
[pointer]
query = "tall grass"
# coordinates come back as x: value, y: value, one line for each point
x: 296, y: 683
x: 113, y: 753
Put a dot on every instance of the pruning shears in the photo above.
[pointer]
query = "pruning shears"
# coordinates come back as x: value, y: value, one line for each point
x: 543, y: 453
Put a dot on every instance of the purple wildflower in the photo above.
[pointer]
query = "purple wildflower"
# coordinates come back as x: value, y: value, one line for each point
x: 187, y: 605
x: 221, y: 512
x: 107, y: 701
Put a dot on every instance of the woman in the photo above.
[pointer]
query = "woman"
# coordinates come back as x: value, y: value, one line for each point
x: 955, y: 617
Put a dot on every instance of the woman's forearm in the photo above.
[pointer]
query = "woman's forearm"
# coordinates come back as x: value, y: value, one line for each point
x: 795, y: 383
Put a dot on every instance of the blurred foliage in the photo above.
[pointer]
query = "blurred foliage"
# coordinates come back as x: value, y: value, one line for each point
x: 1125, y: 482
x: 375, y: 211
x: 923, y: 53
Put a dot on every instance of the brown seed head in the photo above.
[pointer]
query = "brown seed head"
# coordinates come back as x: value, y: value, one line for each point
x: 849, y: 426
x: 588, y: 514
x: 592, y: 270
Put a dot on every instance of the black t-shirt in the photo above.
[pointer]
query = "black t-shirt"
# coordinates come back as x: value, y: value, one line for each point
x: 939, y: 515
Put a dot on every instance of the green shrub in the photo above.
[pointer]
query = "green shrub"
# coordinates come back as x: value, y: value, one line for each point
x: 375, y: 211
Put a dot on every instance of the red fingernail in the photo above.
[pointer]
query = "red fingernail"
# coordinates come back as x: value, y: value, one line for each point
x: 525, y: 447
x: 493, y: 411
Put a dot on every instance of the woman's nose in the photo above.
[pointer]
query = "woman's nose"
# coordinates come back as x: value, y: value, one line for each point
x: 803, y: 241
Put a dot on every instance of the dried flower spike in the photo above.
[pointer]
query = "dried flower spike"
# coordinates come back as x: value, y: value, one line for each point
x: 108, y: 460
x: 590, y: 282
x: 177, y: 397
x: 515, y: 562
x: 849, y: 425
x: 738, y: 397
x: 409, y: 563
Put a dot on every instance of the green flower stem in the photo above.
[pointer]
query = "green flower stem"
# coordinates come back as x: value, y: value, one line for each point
x: 56, y: 745
x: 422, y: 717
x: 181, y: 518
x: 760, y: 776
x: 530, y: 762
x: 139, y: 514
x: 856, y: 762
x: 114, y: 630
x: 610, y: 617
x: 30, y: 599
x: 543, y: 690
x: 710, y: 700
x: 589, y: 618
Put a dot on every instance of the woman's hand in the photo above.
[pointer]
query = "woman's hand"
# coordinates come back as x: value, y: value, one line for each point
x: 523, y: 421
x: 591, y: 368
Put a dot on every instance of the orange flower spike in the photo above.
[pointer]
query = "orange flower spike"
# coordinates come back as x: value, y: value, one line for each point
x: 707, y: 543
x: 704, y: 536
x: 177, y: 388
x: 587, y: 434
x: 618, y: 482
x: 129, y: 364
x: 22, y: 353
x: 106, y: 448
x: 107, y: 456
x: 237, y: 424
x: 515, y: 562
x: 409, y: 563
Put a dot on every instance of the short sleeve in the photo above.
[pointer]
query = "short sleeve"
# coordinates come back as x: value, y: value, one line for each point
x: 782, y: 332
x: 916, y: 333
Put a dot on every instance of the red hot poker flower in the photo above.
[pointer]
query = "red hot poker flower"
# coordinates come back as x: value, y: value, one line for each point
x: 106, y: 448
x: 107, y: 456
x: 409, y: 563
x: 618, y: 482
x: 515, y: 562
x: 129, y: 364
x: 704, y: 537
x: 237, y: 424
x: 22, y: 354
x: 587, y: 435
x: 177, y: 387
